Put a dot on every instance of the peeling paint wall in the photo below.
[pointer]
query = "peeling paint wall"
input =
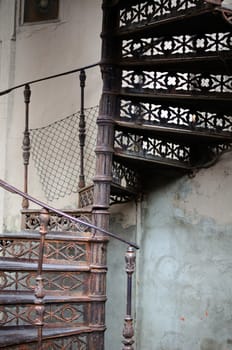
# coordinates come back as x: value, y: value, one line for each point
x: 183, y: 282
x: 123, y: 222
x: 184, y: 226
x: 185, y: 286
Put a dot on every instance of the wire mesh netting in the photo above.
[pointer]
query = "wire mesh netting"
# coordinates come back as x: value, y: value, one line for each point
x: 55, y: 151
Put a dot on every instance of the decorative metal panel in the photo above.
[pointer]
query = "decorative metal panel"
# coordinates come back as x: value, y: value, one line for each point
x: 62, y: 282
x: 147, y: 11
x: 150, y: 147
x: 177, y: 82
x: 77, y: 342
x: 157, y: 114
x: 70, y: 251
x: 23, y: 314
x: 124, y: 176
x: 177, y: 45
x: 56, y: 222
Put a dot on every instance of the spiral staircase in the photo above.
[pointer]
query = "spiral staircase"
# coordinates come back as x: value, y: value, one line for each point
x: 167, y: 73
x: 165, y: 107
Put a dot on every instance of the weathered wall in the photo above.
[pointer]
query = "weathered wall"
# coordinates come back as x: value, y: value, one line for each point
x: 35, y: 51
x: 185, y: 262
x: 7, y: 64
x: 184, y: 266
x: 124, y: 223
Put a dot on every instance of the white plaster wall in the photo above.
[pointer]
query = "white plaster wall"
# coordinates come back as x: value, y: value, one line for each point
x: 41, y: 50
x: 7, y: 64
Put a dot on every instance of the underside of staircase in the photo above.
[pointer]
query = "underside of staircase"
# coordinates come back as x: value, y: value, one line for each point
x: 165, y: 107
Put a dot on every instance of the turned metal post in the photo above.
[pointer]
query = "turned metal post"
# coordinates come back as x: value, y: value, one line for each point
x: 39, y: 290
x: 128, y: 330
x: 26, y: 144
x: 82, y: 125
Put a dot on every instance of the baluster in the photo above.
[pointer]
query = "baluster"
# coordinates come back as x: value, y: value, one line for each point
x: 82, y: 125
x: 26, y: 144
x: 39, y: 290
x: 128, y: 330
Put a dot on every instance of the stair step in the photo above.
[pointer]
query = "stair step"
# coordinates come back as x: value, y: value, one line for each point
x: 66, y: 312
x: 213, y: 102
x: 50, y: 236
x: 139, y: 161
x: 181, y: 21
x: 8, y: 264
x: 30, y: 220
x: 14, y: 298
x: 177, y: 134
x: 210, y: 63
x: 60, y: 248
x: 13, y: 336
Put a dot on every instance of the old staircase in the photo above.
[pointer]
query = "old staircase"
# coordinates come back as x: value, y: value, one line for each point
x: 165, y: 107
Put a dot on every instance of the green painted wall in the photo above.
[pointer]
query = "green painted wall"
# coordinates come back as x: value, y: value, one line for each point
x: 184, y: 272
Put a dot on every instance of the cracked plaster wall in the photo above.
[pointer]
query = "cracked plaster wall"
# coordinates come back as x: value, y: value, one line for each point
x: 185, y: 284
x: 184, y: 267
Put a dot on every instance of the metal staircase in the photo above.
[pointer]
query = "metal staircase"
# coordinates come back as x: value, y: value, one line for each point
x: 167, y: 83
x: 165, y: 106
x: 53, y: 280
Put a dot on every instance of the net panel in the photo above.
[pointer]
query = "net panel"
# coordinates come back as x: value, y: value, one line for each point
x: 55, y: 151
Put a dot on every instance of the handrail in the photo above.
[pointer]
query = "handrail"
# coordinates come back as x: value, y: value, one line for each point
x: 7, y: 91
x: 15, y: 190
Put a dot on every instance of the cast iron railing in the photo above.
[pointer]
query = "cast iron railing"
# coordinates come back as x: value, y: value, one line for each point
x: 128, y: 329
x: 26, y: 144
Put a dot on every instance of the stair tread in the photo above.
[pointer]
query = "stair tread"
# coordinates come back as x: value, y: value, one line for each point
x: 10, y: 264
x: 22, y: 297
x: 185, y: 21
x: 10, y: 336
x: 52, y: 235
x: 181, y: 99
x: 67, y: 211
x: 134, y: 158
x: 191, y: 135
x: 180, y: 62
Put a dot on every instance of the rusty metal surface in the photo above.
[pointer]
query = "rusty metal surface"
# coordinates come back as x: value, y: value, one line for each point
x: 26, y: 143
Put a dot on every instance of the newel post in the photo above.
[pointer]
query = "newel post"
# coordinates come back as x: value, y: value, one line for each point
x: 26, y: 144
x: 39, y: 290
x: 128, y: 330
x: 82, y: 126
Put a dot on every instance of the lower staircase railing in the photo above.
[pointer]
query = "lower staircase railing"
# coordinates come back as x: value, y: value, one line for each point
x: 130, y: 258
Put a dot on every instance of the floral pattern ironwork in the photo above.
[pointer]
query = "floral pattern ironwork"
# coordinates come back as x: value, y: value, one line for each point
x: 147, y: 11
x: 150, y: 147
x: 177, y: 82
x: 157, y: 114
x: 177, y: 45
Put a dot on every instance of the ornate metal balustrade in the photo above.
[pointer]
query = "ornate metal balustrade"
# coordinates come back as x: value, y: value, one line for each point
x: 42, y: 255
